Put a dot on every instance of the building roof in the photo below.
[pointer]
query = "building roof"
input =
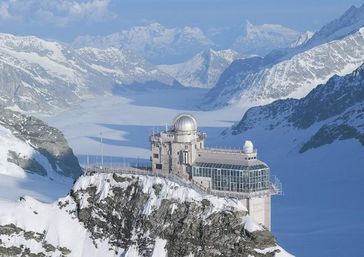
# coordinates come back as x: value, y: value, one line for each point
x: 228, y: 160
x: 185, y: 123
x: 230, y: 166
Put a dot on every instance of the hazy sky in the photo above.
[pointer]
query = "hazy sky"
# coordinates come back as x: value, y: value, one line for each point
x: 65, y: 19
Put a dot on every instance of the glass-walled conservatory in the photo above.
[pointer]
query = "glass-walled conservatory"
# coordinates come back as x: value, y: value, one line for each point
x: 233, y: 178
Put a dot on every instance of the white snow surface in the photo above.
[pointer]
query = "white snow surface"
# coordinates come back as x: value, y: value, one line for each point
x: 16, y: 182
x: 279, y: 251
x: 250, y: 225
x: 61, y: 228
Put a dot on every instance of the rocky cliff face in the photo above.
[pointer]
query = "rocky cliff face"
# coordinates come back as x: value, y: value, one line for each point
x: 126, y: 215
x: 41, y: 148
x: 336, y: 108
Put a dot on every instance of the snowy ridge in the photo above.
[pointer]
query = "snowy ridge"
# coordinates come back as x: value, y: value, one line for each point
x: 154, y: 41
x: 169, y: 190
x: 302, y: 39
x: 336, y: 109
x: 261, y: 39
x: 162, y: 45
x: 293, y: 72
x: 44, y: 76
x: 113, y: 215
x: 294, y: 77
x: 349, y: 22
x: 204, y: 69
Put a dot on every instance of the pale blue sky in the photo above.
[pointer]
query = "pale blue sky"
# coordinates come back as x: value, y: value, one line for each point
x: 65, y: 19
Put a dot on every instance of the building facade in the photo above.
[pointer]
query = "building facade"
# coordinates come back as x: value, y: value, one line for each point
x: 181, y: 151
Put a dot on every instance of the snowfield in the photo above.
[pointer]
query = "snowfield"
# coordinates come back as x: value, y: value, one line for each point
x: 16, y: 182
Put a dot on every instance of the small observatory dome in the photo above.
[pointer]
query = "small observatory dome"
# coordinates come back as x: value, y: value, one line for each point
x: 185, y: 123
x: 248, y: 147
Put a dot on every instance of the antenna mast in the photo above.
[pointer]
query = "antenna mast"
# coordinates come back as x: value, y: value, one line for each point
x: 102, y: 150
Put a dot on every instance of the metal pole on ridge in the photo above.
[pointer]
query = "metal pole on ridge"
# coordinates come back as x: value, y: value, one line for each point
x: 102, y: 151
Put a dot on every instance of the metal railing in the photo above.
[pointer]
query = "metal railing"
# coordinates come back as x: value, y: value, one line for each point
x: 274, y: 189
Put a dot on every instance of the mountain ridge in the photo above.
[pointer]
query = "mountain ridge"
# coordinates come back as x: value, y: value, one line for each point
x: 337, y: 107
x: 47, y: 76
x: 290, y: 72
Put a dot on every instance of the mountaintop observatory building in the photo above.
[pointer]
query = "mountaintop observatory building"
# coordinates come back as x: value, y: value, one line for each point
x: 181, y: 151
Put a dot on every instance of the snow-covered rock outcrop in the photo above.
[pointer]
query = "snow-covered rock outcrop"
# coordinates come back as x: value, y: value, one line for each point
x: 29, y: 144
x: 128, y: 215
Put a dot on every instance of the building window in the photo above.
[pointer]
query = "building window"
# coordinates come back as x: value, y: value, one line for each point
x: 155, y: 155
x: 158, y: 166
x: 185, y: 157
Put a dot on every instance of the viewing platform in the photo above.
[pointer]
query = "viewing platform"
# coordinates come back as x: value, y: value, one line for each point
x: 275, y: 187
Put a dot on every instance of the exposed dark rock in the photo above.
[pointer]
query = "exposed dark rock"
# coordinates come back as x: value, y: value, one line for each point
x: 338, y: 104
x: 47, y: 140
x: 11, y: 231
x: 188, y: 227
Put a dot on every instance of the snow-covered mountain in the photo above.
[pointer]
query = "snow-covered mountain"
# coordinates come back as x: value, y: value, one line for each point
x: 34, y: 157
x: 157, y: 43
x: 261, y: 39
x: 302, y: 39
x: 349, y: 22
x: 337, y: 108
x: 126, y: 215
x: 43, y: 76
x: 316, y: 147
x: 204, y: 69
x: 291, y: 72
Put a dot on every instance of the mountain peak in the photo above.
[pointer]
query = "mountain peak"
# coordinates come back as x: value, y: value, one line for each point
x: 261, y: 39
x: 351, y: 21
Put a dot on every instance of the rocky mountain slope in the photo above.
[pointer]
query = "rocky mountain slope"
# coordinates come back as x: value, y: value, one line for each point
x: 204, y: 69
x: 157, y: 43
x: 125, y: 215
x: 293, y: 72
x: 31, y: 145
x: 335, y: 109
x: 44, y: 76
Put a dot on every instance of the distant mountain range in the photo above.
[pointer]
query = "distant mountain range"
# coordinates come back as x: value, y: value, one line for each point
x: 162, y: 45
x: 45, y: 76
x: 155, y: 42
x: 261, y: 39
x: 204, y: 69
x: 338, y: 48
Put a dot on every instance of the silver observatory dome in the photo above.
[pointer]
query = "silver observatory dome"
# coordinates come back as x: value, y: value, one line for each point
x: 185, y: 123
